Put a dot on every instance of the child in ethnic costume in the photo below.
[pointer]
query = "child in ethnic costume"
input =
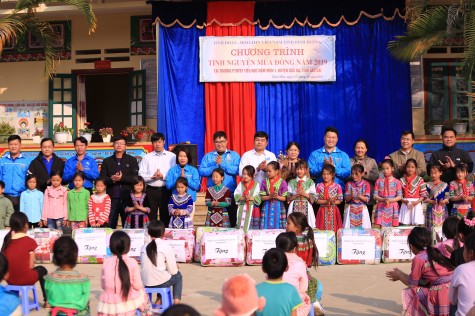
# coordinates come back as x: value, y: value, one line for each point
x: 428, y: 283
x: 302, y: 193
x: 329, y: 195
x: 461, y: 192
x: 357, y: 194
x: 180, y: 206
x: 273, y: 194
x: 248, y: 199
x: 308, y: 251
x: 218, y: 199
x: 387, y: 192
x: 66, y: 287
x: 137, y: 206
x: 436, y: 211
x: 414, y: 192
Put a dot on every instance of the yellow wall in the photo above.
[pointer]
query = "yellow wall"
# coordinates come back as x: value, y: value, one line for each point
x: 23, y: 81
x: 418, y: 121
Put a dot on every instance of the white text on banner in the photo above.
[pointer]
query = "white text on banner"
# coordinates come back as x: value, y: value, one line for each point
x: 267, y: 58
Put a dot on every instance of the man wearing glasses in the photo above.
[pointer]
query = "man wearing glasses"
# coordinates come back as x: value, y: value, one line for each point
x: 119, y: 169
x: 225, y: 159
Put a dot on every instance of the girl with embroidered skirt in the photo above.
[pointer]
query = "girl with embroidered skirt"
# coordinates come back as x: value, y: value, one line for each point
x: 180, y: 206
x: 307, y: 250
x: 329, y: 195
x: 99, y: 205
x: 137, y: 207
x: 183, y: 168
x: 302, y: 193
x: 67, y: 287
x: 248, y: 199
x: 437, y: 192
x: 78, y: 199
x: 414, y: 192
x: 461, y: 192
x: 387, y: 192
x: 122, y: 288
x: 357, y: 194
x: 296, y: 273
x: 218, y: 199
x: 55, y: 203
x: 31, y: 202
x: 429, y: 280
x: 273, y: 194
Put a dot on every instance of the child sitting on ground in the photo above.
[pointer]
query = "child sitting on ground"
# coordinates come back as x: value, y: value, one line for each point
x: 9, y: 302
x: 66, y: 287
x: 239, y: 297
x: 281, y: 298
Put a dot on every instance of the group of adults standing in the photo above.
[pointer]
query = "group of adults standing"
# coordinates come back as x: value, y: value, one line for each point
x: 120, y: 168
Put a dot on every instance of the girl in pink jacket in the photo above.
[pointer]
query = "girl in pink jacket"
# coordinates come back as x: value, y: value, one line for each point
x: 55, y: 205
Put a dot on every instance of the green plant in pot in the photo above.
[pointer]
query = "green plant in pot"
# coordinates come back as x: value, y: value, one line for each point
x: 5, y: 131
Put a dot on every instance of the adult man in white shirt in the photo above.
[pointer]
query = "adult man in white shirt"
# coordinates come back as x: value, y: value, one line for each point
x: 259, y: 157
x: 154, y: 168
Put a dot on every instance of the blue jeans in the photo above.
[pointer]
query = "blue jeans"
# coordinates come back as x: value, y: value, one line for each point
x: 55, y: 223
x: 177, y: 282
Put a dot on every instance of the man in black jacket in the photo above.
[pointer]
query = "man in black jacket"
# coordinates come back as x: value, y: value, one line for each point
x: 450, y: 156
x: 119, y: 169
x: 44, y: 163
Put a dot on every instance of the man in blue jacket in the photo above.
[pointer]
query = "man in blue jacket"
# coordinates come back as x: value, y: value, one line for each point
x: 225, y: 159
x: 13, y: 171
x: 330, y: 154
x: 81, y: 162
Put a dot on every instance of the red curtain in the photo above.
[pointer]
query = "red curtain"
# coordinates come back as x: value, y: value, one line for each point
x: 230, y: 106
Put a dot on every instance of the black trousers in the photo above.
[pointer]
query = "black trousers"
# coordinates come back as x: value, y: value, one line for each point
x: 117, y: 209
x: 232, y: 212
x: 158, y: 198
x: 15, y: 201
x: 41, y: 278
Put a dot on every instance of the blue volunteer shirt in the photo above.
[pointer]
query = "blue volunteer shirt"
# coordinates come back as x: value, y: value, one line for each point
x: 230, y: 165
x: 340, y: 160
x: 47, y: 164
x: 191, y: 174
x: 13, y: 172
x: 90, y: 170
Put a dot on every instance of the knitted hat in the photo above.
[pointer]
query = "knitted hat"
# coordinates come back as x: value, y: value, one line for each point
x: 240, y: 297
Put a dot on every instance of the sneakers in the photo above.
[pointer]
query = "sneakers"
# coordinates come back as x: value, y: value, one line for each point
x: 317, y: 307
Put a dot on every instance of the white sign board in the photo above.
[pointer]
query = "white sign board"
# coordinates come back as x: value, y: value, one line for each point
x: 91, y: 244
x: 358, y: 247
x: 267, y: 58
x: 399, y: 248
x: 178, y: 247
x: 221, y: 246
x: 137, y: 240
x: 260, y: 244
x: 321, y: 241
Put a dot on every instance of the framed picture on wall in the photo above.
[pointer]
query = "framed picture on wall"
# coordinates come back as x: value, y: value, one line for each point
x: 146, y: 30
x: 35, y: 42
x: 11, y: 44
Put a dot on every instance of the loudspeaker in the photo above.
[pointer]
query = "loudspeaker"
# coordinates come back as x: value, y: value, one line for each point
x: 192, y: 148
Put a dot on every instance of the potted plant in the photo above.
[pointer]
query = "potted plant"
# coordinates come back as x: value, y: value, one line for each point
x: 5, y: 131
x: 86, y: 132
x: 140, y: 133
x: 38, y: 135
x: 106, y: 133
x: 434, y: 127
x: 460, y: 126
x: 61, y: 133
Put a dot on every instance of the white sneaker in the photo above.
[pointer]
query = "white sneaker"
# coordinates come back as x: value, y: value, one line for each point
x: 317, y: 307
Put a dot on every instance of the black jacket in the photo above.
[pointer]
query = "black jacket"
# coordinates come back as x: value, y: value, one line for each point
x: 38, y: 168
x: 457, y: 155
x: 129, y: 168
